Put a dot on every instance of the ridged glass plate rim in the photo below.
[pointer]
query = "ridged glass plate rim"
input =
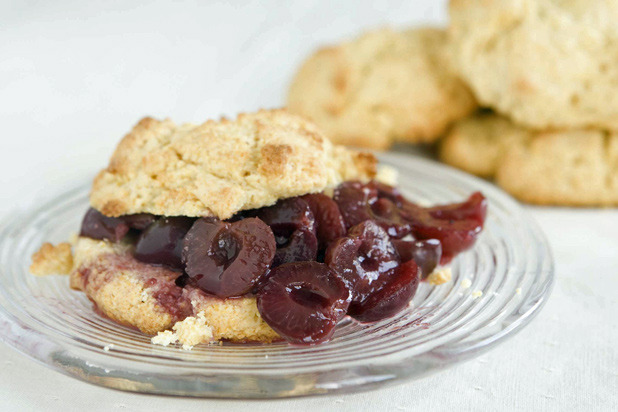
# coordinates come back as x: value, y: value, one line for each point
x: 301, y: 372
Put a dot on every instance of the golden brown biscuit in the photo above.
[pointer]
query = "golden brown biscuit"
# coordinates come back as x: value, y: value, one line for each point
x: 570, y: 167
x: 146, y: 297
x: 385, y: 85
x: 477, y: 144
x: 573, y: 168
x: 52, y: 260
x: 543, y: 63
x: 220, y: 168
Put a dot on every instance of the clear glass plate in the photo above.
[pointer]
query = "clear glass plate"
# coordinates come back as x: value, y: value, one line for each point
x: 511, y: 264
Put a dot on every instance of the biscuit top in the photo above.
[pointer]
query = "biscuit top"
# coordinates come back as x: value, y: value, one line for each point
x: 220, y: 168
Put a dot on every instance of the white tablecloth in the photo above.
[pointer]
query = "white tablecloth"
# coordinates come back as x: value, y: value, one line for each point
x: 74, y: 77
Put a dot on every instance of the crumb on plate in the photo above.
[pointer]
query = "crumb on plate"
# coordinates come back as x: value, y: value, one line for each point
x: 440, y: 276
x: 52, y: 260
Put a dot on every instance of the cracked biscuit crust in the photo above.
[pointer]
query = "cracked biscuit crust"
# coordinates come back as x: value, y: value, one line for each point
x: 576, y: 167
x: 384, y: 86
x: 220, y: 168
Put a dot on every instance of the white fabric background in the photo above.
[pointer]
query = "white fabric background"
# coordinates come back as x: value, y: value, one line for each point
x: 75, y: 76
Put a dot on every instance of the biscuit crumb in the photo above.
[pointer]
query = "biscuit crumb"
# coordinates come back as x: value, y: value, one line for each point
x: 164, y: 338
x: 52, y: 260
x: 387, y: 175
x: 466, y: 283
x: 477, y: 294
x: 518, y: 291
x: 440, y: 276
x: 193, y: 331
x: 189, y: 332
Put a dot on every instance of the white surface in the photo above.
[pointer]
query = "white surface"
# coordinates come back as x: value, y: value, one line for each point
x: 74, y: 77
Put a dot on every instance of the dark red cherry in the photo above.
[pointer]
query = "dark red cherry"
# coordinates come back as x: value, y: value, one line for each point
x: 425, y: 253
x: 456, y: 225
x: 287, y: 216
x: 328, y: 219
x: 365, y: 258
x: 372, y: 201
x: 301, y: 246
x: 474, y: 208
x: 96, y: 225
x: 139, y: 221
x: 388, y: 192
x: 161, y: 242
x: 303, y: 301
x: 228, y: 259
x: 293, y: 225
x: 391, y: 298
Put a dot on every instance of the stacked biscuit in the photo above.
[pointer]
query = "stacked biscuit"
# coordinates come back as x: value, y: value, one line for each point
x: 547, y: 69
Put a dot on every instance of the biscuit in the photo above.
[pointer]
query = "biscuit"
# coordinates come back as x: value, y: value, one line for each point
x: 145, y: 296
x: 476, y: 144
x: 384, y: 86
x: 220, y: 168
x: 543, y: 63
x: 576, y: 167
x: 52, y: 260
x: 571, y: 168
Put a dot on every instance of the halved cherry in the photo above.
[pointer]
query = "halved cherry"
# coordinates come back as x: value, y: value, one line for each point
x: 301, y: 246
x: 287, y: 216
x: 139, y: 221
x: 161, y: 242
x: 455, y: 225
x: 228, y: 259
x: 391, y: 298
x: 293, y: 225
x: 96, y: 225
x: 425, y: 253
x: 328, y: 219
x: 302, y: 301
x: 365, y: 258
x: 372, y: 201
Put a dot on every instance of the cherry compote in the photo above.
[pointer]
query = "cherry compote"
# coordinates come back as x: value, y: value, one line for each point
x: 375, y: 245
x: 391, y: 298
x: 374, y: 201
x: 329, y: 222
x: 161, y: 242
x: 456, y: 225
x: 425, y: 253
x: 228, y: 259
x: 365, y: 258
x: 139, y: 221
x: 302, y: 301
x: 96, y: 225
x: 293, y: 225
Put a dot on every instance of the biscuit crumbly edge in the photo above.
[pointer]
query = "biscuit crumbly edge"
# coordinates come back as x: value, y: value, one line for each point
x: 189, y: 332
x: 52, y: 260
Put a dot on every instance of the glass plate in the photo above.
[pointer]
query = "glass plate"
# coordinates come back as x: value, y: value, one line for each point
x: 511, y: 264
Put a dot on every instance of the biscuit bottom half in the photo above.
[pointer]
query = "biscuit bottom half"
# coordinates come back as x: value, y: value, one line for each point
x: 146, y: 297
